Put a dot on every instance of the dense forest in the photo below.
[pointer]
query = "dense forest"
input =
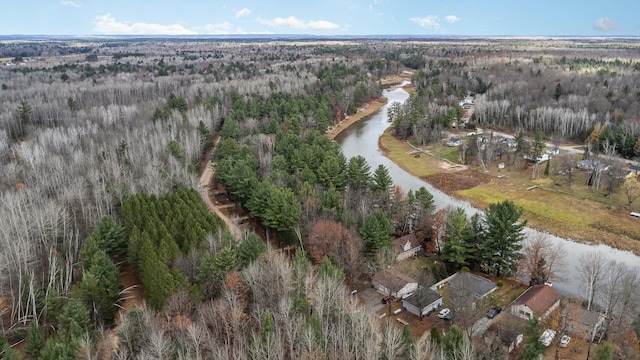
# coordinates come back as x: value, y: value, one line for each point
x: 102, y: 145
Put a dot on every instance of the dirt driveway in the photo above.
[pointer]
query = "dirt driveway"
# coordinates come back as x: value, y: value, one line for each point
x: 372, y: 299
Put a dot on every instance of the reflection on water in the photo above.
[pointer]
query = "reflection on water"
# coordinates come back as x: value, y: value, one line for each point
x: 362, y: 139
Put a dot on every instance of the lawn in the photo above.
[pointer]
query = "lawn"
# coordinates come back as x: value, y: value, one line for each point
x: 404, y: 156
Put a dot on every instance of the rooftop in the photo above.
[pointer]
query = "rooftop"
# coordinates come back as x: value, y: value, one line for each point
x: 539, y: 298
x: 477, y: 285
x: 423, y: 297
x: 399, y: 243
x: 392, y: 278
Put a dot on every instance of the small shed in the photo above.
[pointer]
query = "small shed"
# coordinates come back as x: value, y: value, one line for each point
x: 423, y: 301
x: 394, y: 283
x: 406, y: 246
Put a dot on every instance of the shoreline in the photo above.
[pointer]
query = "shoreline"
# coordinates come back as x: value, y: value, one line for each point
x: 391, y: 82
x: 369, y: 109
x: 586, y: 232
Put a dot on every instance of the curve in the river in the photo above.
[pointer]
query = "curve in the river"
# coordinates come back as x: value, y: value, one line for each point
x: 362, y: 139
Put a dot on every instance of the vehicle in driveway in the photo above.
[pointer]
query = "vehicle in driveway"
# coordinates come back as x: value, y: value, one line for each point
x: 564, y: 340
x: 448, y: 319
x: 547, y: 337
x: 493, y: 312
x: 444, y: 312
x: 386, y: 299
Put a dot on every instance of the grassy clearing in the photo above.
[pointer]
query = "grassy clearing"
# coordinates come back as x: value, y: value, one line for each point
x: 509, y: 292
x: 400, y: 153
x: 415, y: 267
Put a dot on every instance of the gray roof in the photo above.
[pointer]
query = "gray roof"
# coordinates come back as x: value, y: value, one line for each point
x: 477, y: 285
x: 422, y: 297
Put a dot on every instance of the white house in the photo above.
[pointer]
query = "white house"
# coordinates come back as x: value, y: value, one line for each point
x: 422, y: 302
x: 394, y: 283
x: 538, y: 300
x: 406, y: 246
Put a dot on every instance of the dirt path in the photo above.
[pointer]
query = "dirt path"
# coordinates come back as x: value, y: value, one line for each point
x: 205, y: 181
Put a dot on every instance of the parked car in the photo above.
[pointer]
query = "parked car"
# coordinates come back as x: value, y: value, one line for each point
x: 564, y: 340
x: 448, y: 319
x: 386, y: 299
x: 547, y: 337
x: 444, y: 312
x: 493, y: 312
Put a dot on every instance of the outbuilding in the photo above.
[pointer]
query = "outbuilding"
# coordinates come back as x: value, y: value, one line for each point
x: 422, y: 302
x: 394, y: 283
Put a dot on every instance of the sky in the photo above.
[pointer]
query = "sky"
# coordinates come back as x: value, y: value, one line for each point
x: 327, y: 17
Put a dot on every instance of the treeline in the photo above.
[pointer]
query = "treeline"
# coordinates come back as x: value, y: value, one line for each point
x: 527, y: 93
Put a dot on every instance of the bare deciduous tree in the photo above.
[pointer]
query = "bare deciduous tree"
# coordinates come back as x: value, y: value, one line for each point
x: 592, y: 266
x: 541, y: 260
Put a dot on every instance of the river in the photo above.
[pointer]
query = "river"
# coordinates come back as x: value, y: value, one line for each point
x: 362, y: 139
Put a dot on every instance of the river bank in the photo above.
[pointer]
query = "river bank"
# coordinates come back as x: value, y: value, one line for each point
x: 545, y: 206
x: 361, y: 140
x: 367, y: 110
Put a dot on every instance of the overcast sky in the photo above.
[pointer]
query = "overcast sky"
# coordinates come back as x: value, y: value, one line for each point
x: 328, y: 17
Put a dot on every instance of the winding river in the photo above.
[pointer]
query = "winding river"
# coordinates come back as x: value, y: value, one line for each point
x: 362, y: 139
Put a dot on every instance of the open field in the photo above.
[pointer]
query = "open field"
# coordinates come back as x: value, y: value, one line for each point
x: 579, y: 214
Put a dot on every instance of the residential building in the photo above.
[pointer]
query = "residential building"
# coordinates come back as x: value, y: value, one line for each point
x: 394, y: 283
x: 538, y: 300
x: 406, y: 246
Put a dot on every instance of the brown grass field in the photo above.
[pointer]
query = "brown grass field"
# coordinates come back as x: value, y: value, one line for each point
x: 579, y: 214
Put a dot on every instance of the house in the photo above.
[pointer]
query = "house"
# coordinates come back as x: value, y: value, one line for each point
x: 406, y: 246
x: 453, y: 142
x: 589, y: 324
x: 473, y: 284
x: 394, y: 283
x: 589, y: 165
x: 509, y: 330
x: 541, y: 159
x: 538, y: 300
x: 586, y: 165
x: 422, y: 301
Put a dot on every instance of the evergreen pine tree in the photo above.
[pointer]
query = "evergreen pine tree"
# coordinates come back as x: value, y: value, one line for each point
x: 34, y: 341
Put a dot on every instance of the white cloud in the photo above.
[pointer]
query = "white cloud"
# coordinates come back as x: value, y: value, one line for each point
x: 295, y: 23
x: 451, y: 19
x: 222, y: 28
x: 431, y: 21
x: 322, y: 25
x: 70, y: 3
x: 107, y: 24
x: 242, y: 13
x: 605, y: 24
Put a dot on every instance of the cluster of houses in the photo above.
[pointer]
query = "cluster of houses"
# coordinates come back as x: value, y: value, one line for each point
x: 537, y: 301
